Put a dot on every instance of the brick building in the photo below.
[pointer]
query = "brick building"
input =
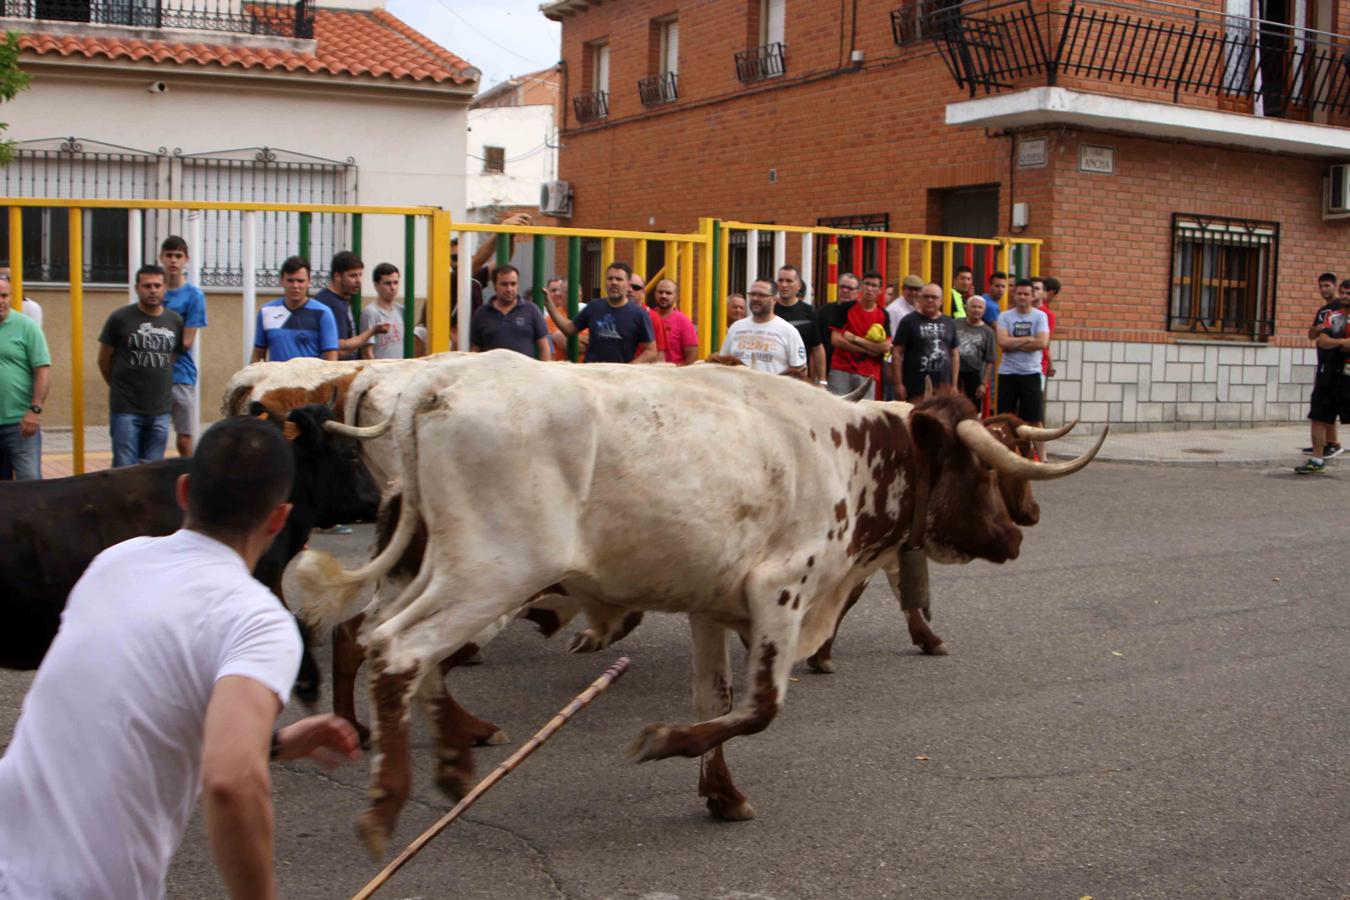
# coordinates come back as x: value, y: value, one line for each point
x: 1175, y: 160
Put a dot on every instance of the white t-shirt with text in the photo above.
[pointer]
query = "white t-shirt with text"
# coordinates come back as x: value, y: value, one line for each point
x: 104, y: 768
x: 1022, y: 325
x: 773, y: 346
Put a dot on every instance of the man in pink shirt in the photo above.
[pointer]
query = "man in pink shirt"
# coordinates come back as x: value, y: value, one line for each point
x: 681, y: 338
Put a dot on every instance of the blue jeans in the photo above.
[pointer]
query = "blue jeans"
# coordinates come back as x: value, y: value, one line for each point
x: 20, y: 457
x: 138, y: 439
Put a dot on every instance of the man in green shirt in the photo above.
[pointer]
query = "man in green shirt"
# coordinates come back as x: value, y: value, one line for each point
x: 25, y: 375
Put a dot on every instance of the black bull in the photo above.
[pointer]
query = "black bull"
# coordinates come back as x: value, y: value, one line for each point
x: 51, y: 530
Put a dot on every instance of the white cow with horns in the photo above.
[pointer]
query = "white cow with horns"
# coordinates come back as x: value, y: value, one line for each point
x: 771, y: 547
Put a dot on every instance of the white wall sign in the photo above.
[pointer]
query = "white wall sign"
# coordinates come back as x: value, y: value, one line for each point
x: 1099, y: 160
x: 1032, y: 153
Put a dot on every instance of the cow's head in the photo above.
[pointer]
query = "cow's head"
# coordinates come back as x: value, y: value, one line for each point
x: 979, y: 487
x: 331, y: 482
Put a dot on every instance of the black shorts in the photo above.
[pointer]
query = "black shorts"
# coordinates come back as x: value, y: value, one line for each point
x: 1330, y: 399
x: 1021, y: 396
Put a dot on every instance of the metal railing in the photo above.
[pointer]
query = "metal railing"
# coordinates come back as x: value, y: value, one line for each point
x: 655, y: 90
x: 1248, y: 64
x: 1223, y: 277
x: 759, y: 63
x: 591, y: 107
x: 270, y: 17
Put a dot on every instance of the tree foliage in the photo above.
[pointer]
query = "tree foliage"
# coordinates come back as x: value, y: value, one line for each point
x: 12, y: 80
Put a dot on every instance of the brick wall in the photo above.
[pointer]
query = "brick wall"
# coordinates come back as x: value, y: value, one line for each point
x: 873, y: 140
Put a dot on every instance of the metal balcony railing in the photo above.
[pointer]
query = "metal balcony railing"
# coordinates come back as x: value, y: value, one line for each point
x: 591, y: 107
x: 270, y: 17
x: 759, y: 63
x: 1245, y: 63
x: 655, y: 90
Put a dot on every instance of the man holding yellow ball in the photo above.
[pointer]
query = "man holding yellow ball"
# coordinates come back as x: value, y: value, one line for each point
x: 860, y: 336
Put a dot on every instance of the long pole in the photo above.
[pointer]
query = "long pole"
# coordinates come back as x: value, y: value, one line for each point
x: 76, y: 225
x: 611, y: 675
x: 248, y: 257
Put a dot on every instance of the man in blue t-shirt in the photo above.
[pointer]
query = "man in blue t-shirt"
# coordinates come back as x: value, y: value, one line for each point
x: 294, y: 325
x: 620, y: 331
x: 993, y: 298
x: 1023, y: 332
x: 190, y: 303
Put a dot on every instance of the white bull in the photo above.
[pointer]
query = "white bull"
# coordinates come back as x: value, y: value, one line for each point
x: 770, y: 550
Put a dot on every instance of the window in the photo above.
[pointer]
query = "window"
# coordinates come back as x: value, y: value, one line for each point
x: 600, y: 68
x: 593, y: 104
x: 1223, y: 276
x: 664, y: 62
x: 494, y: 160
x: 669, y: 42
x: 772, y: 19
x: 766, y: 58
x: 737, y: 268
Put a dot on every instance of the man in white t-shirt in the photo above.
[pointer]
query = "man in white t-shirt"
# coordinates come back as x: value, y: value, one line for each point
x: 765, y: 341
x: 164, y: 683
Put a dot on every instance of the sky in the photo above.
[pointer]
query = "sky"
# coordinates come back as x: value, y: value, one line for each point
x: 503, y: 38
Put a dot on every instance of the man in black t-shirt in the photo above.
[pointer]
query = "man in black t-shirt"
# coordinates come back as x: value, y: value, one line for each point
x: 925, y: 347
x: 621, y: 331
x: 344, y: 283
x: 1327, y: 290
x: 1332, y: 398
x: 136, y: 351
x: 802, y: 315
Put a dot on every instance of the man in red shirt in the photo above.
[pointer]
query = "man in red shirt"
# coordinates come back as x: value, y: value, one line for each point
x: 681, y: 337
x: 1045, y: 290
x: 860, y: 335
x: 637, y: 293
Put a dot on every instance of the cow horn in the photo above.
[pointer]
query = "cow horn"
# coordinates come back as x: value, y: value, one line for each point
x: 1032, y: 433
x: 356, y: 431
x: 333, y: 400
x: 988, y: 448
x: 859, y: 392
x: 928, y: 385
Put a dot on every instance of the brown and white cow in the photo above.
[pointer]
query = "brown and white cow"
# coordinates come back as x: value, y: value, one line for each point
x: 770, y: 548
x: 1017, y: 436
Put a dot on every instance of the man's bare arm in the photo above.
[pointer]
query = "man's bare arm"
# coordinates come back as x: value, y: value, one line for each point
x: 236, y: 789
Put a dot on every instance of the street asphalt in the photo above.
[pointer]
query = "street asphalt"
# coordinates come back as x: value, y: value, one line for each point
x: 1151, y: 702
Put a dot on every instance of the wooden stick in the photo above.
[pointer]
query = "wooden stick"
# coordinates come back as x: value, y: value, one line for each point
x: 611, y: 675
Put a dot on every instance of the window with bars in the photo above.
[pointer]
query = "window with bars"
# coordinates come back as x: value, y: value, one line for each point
x: 737, y: 260
x: 1223, y: 276
x: 76, y: 168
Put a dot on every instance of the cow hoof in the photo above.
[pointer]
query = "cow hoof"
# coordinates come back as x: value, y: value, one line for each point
x: 585, y: 642
x: 374, y: 834
x: 652, y: 743
x: 731, y: 809
x: 496, y: 739
x: 938, y: 649
x: 453, y: 783
x: 822, y: 666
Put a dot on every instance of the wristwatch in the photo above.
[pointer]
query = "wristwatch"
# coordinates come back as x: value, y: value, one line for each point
x: 35, y: 408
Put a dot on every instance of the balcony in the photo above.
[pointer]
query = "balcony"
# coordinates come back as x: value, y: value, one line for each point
x: 1158, y: 53
x: 591, y: 107
x: 759, y: 63
x: 277, y: 18
x: 656, y: 90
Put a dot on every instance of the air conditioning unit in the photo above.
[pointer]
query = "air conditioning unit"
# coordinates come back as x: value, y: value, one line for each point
x: 1338, y: 190
x: 555, y: 199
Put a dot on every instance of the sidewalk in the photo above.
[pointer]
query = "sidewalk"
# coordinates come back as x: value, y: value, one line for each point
x: 1271, y: 447
x: 1276, y: 446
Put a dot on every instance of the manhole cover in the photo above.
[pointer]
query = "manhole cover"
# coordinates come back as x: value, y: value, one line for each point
x: 1204, y: 451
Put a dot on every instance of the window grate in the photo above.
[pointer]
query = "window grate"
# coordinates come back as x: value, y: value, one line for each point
x: 268, y: 17
x: 591, y: 107
x: 494, y: 160
x: 759, y: 63
x: 1223, y: 276
x: 655, y: 90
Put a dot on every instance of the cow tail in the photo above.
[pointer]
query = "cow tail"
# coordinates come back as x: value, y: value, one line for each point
x: 328, y: 591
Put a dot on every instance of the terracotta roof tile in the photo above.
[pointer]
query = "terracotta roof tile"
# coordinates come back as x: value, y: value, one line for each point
x: 371, y: 43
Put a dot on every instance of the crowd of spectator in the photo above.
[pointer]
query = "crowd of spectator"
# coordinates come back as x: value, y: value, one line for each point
x: 896, y: 337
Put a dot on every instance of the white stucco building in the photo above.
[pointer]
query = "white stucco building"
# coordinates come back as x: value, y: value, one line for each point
x: 513, y: 145
x: 264, y: 101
